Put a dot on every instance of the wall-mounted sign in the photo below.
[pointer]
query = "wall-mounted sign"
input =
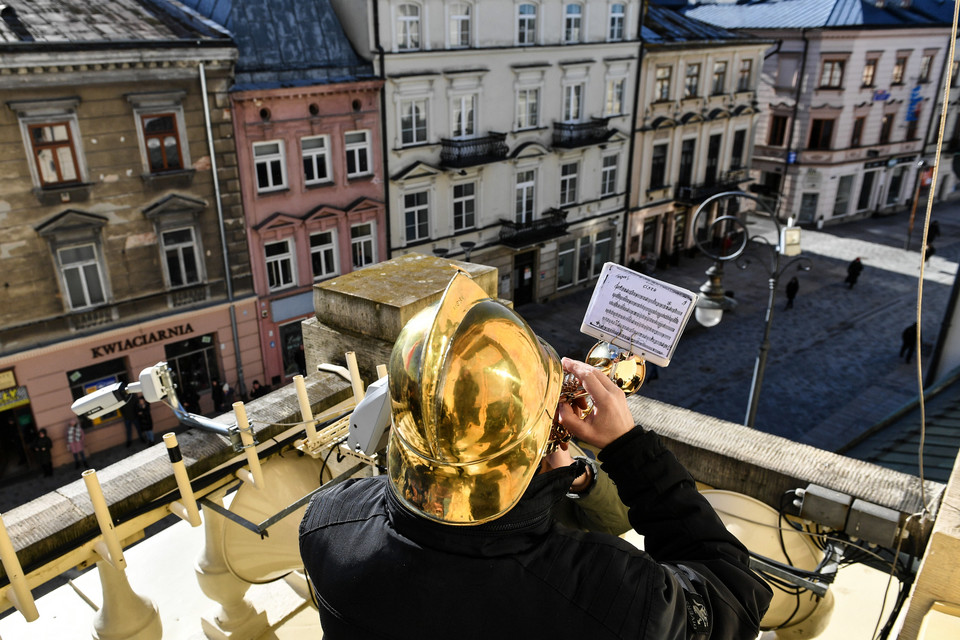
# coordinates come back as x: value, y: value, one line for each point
x: 791, y: 157
x: 7, y: 379
x: 141, y: 340
x: 914, y: 104
x: 13, y: 397
x: 881, y: 95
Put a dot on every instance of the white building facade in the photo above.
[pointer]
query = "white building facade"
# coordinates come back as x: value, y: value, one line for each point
x: 506, y: 131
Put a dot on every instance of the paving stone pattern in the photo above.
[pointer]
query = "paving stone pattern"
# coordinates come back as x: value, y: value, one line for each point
x: 833, y: 367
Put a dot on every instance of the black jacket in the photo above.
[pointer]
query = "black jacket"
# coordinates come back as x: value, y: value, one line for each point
x: 380, y: 571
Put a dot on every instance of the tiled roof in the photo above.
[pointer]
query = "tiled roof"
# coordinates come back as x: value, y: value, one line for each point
x: 81, y: 23
x: 799, y: 14
x: 667, y: 26
x: 285, y: 42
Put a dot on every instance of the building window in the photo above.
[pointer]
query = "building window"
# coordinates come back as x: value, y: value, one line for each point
x: 614, y: 101
x: 525, y: 195
x: 572, y: 23
x: 415, y: 210
x: 602, y: 250
x: 316, y: 159
x: 691, y: 87
x: 687, y: 150
x: 271, y: 169
x: 608, y: 175
x: 162, y: 141
x: 896, y: 185
x: 831, y: 75
x: 899, y: 67
x: 572, y: 103
x: 926, y: 63
x: 736, y: 155
x: 821, y: 133
x: 719, y: 77
x: 617, y: 20
x: 464, y: 206
x: 408, y: 27
x: 746, y: 75
x: 886, y: 126
x: 413, y: 122
x: 528, y: 108
x: 279, y: 256
x: 80, y: 272
x: 913, y: 122
x: 526, y: 24
x: 869, y: 73
x: 54, y: 153
x: 323, y: 254
x: 661, y: 90
x: 460, y: 25
x: 568, y: 183
x: 844, y: 188
x: 778, y: 131
x: 857, y: 134
x: 808, y: 206
x: 579, y: 259
x: 194, y: 363
x: 180, y: 257
x: 658, y: 166
x: 464, y: 116
x: 566, y: 263
x: 357, y: 145
x: 361, y: 245
x: 97, y: 376
x: 713, y: 158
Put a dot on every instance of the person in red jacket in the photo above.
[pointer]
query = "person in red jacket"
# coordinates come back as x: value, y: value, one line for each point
x: 459, y: 539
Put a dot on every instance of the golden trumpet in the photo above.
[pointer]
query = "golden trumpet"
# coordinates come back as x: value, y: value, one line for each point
x: 625, y: 369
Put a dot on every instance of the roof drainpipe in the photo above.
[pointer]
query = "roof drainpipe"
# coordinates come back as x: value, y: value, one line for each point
x: 381, y: 54
x: 241, y: 386
x: 793, y: 120
x: 633, y: 138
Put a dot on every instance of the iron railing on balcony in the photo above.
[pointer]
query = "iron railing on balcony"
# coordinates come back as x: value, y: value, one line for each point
x: 570, y: 135
x: 468, y: 152
x: 552, y: 224
x: 727, y: 181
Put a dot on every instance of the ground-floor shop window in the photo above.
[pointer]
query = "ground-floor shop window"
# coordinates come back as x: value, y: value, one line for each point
x: 96, y: 376
x: 194, y: 364
x: 291, y: 344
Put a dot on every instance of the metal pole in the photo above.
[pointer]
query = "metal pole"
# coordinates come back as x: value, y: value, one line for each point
x: 761, y: 364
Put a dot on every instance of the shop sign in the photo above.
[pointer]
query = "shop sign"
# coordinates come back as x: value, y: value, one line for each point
x: 7, y: 379
x: 141, y: 340
x: 881, y: 95
x: 915, y: 100
x: 13, y: 397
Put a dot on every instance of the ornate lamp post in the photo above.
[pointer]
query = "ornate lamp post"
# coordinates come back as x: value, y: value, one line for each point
x: 712, y: 303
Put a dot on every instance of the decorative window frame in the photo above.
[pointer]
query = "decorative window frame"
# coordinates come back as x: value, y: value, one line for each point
x: 177, y: 211
x: 454, y: 200
x: 370, y: 238
x: 157, y: 103
x: 472, y: 26
x: 73, y: 228
x: 537, y: 23
x: 333, y: 247
x: 313, y: 155
x: 421, y: 22
x: 349, y: 147
x: 569, y: 19
x: 412, y: 90
x: 528, y: 80
x: 281, y: 155
x: 34, y: 112
x: 290, y: 255
x: 611, y: 17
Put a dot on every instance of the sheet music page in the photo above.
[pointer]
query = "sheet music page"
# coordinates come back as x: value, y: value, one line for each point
x: 639, y: 313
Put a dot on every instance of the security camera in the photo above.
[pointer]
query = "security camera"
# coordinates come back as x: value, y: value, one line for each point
x: 101, y: 402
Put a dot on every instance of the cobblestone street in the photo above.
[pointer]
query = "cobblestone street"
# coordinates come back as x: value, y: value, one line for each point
x: 833, y: 368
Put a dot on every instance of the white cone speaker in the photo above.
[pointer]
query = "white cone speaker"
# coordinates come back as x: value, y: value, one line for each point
x: 287, y: 479
x: 755, y: 525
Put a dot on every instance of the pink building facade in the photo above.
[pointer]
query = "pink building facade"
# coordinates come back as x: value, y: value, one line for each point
x: 310, y: 171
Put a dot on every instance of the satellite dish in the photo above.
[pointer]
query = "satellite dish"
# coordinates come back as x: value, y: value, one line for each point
x: 756, y: 525
x: 260, y: 560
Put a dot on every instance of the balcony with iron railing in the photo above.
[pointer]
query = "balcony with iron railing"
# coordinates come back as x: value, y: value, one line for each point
x: 570, y: 135
x: 726, y: 181
x: 552, y: 224
x: 458, y: 153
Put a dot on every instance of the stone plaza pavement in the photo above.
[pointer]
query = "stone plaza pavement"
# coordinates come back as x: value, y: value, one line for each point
x: 833, y: 368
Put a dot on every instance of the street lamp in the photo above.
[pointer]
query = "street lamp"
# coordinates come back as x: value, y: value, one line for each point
x: 713, y: 302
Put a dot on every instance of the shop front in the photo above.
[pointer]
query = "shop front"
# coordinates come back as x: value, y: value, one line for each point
x: 43, y: 383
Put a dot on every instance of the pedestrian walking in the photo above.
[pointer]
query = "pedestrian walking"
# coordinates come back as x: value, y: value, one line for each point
x: 216, y: 394
x: 908, y: 342
x: 928, y: 252
x: 301, y: 359
x: 75, y: 444
x: 129, y: 413
x: 853, y: 272
x: 934, y: 232
x: 43, y: 448
x: 792, y: 288
x: 145, y: 418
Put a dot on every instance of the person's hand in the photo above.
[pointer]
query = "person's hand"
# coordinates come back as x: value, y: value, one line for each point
x: 610, y: 418
x: 562, y: 458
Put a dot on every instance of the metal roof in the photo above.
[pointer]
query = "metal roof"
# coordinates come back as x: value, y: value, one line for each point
x: 668, y: 26
x: 285, y: 42
x: 81, y: 23
x: 806, y: 14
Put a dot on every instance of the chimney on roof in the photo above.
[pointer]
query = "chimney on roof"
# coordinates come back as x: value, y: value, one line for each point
x: 9, y: 15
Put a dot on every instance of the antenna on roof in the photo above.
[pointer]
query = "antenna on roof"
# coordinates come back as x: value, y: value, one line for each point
x: 9, y: 15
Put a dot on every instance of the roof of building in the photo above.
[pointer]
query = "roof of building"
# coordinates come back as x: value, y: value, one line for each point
x: 285, y: 43
x: 666, y: 26
x: 806, y: 14
x: 79, y: 24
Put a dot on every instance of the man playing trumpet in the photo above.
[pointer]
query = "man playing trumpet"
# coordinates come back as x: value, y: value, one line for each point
x: 458, y: 539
